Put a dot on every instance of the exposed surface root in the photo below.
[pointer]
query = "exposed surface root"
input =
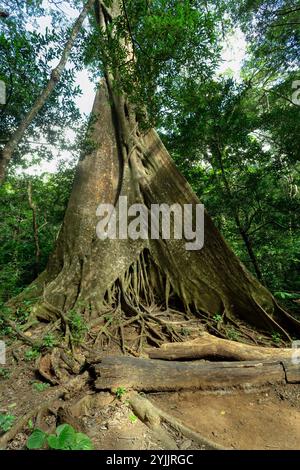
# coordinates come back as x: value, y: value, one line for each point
x: 154, y: 417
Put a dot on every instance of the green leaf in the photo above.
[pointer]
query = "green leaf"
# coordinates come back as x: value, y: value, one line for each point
x: 6, y: 422
x: 53, y: 442
x: 82, y: 442
x: 66, y: 436
x: 30, y: 424
x: 36, y: 440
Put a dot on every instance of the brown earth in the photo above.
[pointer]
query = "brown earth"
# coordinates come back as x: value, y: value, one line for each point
x: 262, y: 419
x: 266, y: 418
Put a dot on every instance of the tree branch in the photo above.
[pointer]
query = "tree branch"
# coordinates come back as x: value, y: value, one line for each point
x: 9, y: 148
x: 287, y: 12
x: 284, y: 24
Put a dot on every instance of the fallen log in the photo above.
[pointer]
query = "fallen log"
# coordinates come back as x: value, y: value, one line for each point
x: 209, y: 346
x: 149, y: 376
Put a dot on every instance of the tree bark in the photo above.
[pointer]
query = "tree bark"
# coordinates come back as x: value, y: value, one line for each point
x: 153, y: 376
x: 208, y: 346
x: 95, y: 276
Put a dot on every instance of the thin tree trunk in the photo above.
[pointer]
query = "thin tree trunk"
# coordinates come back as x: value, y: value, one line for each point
x: 35, y: 230
x: 7, y: 151
x: 249, y: 247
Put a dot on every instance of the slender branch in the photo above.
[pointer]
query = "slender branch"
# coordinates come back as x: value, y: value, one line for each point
x: 284, y: 24
x: 287, y: 12
x: 128, y: 26
x: 7, y: 151
x: 35, y: 229
x: 279, y: 95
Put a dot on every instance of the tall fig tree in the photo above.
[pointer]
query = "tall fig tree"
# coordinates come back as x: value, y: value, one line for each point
x: 127, y: 278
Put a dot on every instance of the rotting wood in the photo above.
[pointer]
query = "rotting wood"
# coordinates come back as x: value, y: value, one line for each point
x: 148, y: 375
x: 209, y: 346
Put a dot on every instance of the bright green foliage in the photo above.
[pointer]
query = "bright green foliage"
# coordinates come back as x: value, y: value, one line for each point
x: 217, y: 317
x: 40, y: 386
x: 17, y: 245
x: 27, y: 54
x: 4, y: 373
x: 49, y: 341
x: 6, y: 422
x: 30, y: 424
x: 37, y: 439
x: 31, y: 354
x: 276, y: 338
x: 65, y: 438
x: 120, y: 391
x: 78, y: 326
x: 170, y: 39
x: 242, y: 160
x: 133, y: 418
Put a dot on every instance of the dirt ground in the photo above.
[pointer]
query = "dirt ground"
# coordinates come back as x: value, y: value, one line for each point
x: 266, y: 418
x: 263, y: 419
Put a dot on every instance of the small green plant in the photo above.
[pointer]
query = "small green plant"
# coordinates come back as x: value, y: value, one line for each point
x: 31, y: 354
x: 49, y: 341
x: 217, y: 317
x: 4, y: 373
x: 5, y: 329
x: 30, y: 424
x: 78, y: 326
x: 276, y: 337
x: 6, y: 421
x: 233, y: 335
x: 40, y: 386
x: 184, y: 332
x: 132, y: 418
x: 23, y: 313
x: 120, y: 392
x: 65, y: 438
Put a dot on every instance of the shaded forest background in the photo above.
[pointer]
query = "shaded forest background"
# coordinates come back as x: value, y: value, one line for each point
x: 235, y: 140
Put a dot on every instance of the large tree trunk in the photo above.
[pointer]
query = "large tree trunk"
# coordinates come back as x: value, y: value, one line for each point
x: 87, y: 273
x: 95, y: 276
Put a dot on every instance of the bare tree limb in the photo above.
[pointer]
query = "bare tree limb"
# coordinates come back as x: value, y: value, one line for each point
x: 284, y: 24
x: 287, y: 12
x: 9, y: 148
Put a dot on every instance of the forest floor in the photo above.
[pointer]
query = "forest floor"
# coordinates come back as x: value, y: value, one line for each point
x: 253, y: 418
